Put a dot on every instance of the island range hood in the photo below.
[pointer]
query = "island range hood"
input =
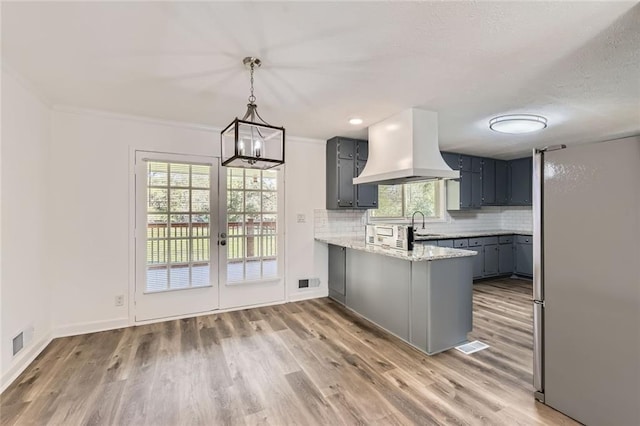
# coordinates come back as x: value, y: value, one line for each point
x: 404, y: 148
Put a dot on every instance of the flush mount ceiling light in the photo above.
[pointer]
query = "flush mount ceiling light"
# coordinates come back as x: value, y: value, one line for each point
x: 355, y: 121
x: 517, y: 123
x: 250, y: 142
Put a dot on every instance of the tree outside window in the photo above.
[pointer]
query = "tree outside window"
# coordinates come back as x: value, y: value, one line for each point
x: 400, y: 201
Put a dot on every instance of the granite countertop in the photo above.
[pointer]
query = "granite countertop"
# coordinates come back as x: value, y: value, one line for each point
x: 419, y: 253
x: 472, y: 234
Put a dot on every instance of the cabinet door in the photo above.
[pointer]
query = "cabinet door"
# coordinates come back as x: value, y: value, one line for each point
x: 362, y: 150
x: 465, y: 189
x: 488, y: 181
x: 465, y: 163
x: 337, y: 272
x: 476, y: 190
x: 478, y: 262
x: 491, y: 259
x: 346, y: 148
x: 524, y: 259
x: 505, y: 264
x: 366, y: 195
x: 476, y: 164
x: 520, y: 179
x: 345, y: 183
x: 452, y: 160
x: 501, y: 176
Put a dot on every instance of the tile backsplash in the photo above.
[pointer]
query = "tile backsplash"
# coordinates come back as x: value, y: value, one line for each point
x: 339, y: 223
x: 350, y: 223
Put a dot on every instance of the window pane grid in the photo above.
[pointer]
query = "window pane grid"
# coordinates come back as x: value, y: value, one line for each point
x: 400, y: 201
x: 251, y: 224
x: 178, y: 234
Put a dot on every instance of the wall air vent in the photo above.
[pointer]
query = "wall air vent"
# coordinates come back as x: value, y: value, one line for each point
x: 18, y: 343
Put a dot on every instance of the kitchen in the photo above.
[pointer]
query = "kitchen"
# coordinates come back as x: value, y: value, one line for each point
x: 107, y: 133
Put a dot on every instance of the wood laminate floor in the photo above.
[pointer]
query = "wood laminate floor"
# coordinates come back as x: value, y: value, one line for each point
x: 304, y: 363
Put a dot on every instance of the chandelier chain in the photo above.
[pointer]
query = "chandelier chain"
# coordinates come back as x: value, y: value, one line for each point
x: 252, y: 98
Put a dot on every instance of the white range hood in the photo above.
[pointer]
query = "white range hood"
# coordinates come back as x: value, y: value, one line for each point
x: 404, y: 148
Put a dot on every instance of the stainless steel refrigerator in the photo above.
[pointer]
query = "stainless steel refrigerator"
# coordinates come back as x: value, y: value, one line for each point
x: 587, y: 280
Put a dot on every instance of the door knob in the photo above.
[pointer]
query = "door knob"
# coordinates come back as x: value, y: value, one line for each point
x: 223, y: 242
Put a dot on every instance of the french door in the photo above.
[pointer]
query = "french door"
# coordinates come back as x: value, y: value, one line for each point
x: 207, y: 237
x: 177, y: 221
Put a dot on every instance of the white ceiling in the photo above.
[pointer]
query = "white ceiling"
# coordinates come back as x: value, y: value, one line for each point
x: 578, y: 64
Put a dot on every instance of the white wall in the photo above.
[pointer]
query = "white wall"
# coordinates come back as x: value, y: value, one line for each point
x: 305, y: 184
x: 91, y: 262
x: 25, y: 303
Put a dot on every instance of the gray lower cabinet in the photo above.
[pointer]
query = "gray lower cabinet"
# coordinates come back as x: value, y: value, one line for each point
x: 501, y: 255
x: 524, y: 255
x: 476, y: 244
x: 505, y: 250
x: 337, y: 273
x: 491, y: 257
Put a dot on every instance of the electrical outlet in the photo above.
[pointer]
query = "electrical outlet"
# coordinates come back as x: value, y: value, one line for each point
x: 119, y: 300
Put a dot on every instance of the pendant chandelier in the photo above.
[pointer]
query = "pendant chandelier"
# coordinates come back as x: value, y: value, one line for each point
x: 250, y: 142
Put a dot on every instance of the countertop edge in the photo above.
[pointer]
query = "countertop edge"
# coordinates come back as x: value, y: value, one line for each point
x: 422, y: 254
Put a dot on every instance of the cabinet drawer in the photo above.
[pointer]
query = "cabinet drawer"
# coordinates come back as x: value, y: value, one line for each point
x: 490, y: 240
x: 462, y: 242
x: 524, y: 239
x: 475, y: 242
x: 445, y: 243
x: 505, y: 239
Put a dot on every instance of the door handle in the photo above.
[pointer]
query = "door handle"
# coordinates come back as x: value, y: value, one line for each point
x: 223, y: 242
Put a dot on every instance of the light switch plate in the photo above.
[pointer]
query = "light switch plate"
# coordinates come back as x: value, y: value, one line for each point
x: 302, y: 218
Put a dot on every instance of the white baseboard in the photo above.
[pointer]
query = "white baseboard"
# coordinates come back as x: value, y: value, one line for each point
x: 24, y: 360
x: 90, y: 327
x: 310, y: 294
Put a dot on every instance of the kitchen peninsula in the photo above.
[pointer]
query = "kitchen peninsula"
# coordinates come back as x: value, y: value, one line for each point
x: 423, y: 296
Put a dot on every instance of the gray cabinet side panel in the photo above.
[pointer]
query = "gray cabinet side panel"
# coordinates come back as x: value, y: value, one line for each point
x: 450, y: 319
x: 378, y: 289
x: 592, y: 291
x: 337, y: 269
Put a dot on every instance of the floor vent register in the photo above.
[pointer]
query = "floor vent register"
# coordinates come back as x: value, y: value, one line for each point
x: 472, y: 347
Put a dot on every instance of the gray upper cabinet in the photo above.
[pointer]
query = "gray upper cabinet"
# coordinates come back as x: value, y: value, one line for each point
x: 465, y: 192
x: 520, y: 176
x: 452, y: 160
x: 489, y: 182
x: 346, y: 159
x: 366, y: 195
x: 501, y: 177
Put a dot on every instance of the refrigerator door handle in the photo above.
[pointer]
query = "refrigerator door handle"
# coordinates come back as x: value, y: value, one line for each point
x: 538, y: 379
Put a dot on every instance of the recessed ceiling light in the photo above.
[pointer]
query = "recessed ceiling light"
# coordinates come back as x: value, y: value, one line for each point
x: 517, y: 123
x: 355, y: 121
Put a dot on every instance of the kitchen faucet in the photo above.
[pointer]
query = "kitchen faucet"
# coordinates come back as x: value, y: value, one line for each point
x: 413, y: 217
